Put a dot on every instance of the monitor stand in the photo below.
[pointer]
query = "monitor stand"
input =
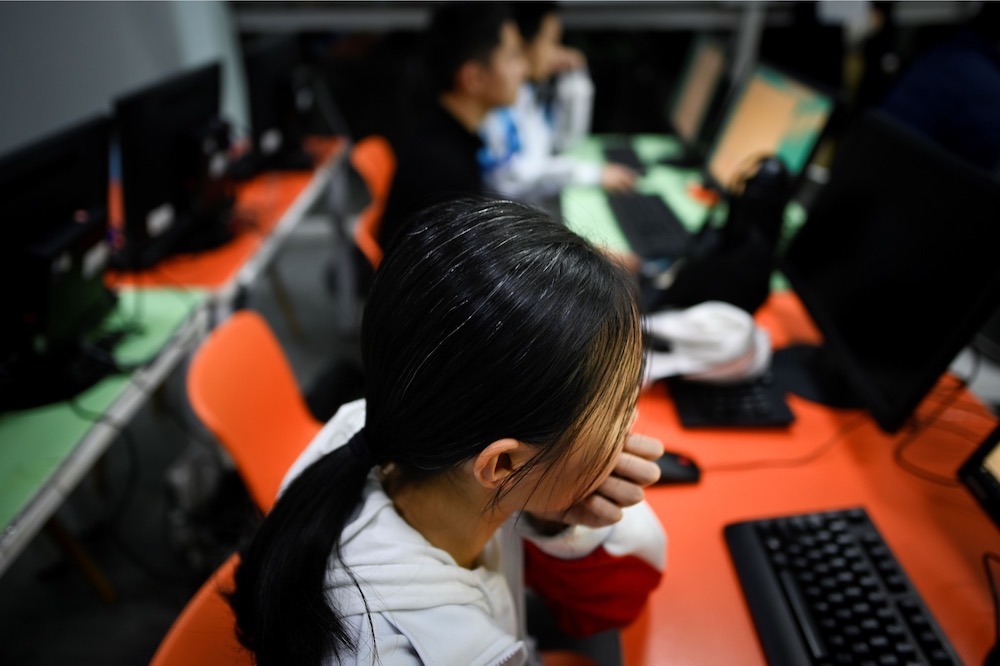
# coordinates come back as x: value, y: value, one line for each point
x: 293, y: 159
x: 814, y: 373
x: 253, y: 164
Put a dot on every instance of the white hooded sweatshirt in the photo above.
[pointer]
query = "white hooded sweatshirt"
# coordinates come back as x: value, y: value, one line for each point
x: 420, y: 607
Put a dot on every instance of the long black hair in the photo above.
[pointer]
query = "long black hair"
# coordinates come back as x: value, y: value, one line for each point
x: 486, y: 320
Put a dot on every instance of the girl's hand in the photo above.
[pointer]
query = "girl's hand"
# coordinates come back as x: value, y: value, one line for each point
x: 634, y: 471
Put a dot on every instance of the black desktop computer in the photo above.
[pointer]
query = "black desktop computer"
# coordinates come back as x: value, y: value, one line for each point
x: 693, y: 109
x: 699, y: 99
x: 177, y: 190
x: 53, y: 197
x: 896, y: 265
x: 286, y: 101
x: 769, y: 133
x: 772, y: 114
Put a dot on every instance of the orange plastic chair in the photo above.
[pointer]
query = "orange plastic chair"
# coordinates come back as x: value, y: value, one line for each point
x: 242, y: 388
x: 375, y: 161
x: 205, y: 631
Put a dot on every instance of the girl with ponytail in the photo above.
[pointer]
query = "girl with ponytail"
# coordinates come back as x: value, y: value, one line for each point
x: 503, y: 360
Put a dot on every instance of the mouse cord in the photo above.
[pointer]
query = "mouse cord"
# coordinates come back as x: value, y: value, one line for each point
x: 119, y: 507
x: 809, y: 457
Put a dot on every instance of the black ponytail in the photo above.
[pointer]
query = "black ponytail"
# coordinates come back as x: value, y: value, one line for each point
x: 282, y: 613
x: 486, y: 320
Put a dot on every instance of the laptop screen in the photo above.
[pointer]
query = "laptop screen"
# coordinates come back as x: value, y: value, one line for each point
x: 702, y: 76
x: 773, y: 114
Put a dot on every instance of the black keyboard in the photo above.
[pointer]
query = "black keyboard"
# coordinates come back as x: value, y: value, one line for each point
x: 625, y: 155
x: 755, y: 403
x: 824, y: 588
x: 652, y: 229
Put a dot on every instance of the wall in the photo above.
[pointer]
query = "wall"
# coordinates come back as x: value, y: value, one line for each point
x: 61, y: 62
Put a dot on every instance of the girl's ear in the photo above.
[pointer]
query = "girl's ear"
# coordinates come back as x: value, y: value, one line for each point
x: 499, y: 460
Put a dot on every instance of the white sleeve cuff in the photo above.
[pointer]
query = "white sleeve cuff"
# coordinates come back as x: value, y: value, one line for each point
x: 638, y: 533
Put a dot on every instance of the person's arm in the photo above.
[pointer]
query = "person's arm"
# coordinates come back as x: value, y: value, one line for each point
x: 597, y: 573
x: 573, y: 108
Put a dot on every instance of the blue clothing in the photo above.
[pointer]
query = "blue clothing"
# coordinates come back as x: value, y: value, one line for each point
x: 952, y: 95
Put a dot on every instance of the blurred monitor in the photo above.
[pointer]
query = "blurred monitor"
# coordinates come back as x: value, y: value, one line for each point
x: 700, y: 92
x: 174, y: 158
x: 771, y: 114
x: 281, y: 97
x: 55, y: 249
x: 896, y: 265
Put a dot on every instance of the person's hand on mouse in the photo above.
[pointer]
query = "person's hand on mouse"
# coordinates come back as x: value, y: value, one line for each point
x: 634, y: 470
x: 618, y: 178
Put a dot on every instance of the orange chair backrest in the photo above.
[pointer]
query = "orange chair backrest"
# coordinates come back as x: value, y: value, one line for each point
x: 375, y: 161
x: 242, y: 388
x: 205, y: 631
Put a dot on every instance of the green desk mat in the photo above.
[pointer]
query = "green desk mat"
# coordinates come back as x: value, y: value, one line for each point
x: 585, y: 208
x: 35, y: 442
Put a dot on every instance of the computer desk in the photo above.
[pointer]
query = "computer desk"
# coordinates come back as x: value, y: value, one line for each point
x: 46, y: 451
x: 272, y: 204
x: 827, y: 459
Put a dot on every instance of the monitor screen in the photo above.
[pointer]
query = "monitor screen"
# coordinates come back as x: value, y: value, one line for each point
x: 703, y: 75
x: 279, y: 98
x: 54, y: 196
x: 173, y: 156
x: 896, y: 264
x: 772, y: 114
x: 981, y: 475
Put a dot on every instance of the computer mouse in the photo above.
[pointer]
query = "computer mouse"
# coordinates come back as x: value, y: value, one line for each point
x: 677, y: 468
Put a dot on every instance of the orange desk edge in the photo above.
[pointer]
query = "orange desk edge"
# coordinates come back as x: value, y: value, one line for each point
x: 827, y: 459
x: 260, y: 203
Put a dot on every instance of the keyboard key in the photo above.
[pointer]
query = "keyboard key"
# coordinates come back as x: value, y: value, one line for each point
x: 755, y: 403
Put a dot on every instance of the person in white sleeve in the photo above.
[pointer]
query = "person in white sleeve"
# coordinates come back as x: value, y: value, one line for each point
x: 503, y: 359
x: 523, y: 154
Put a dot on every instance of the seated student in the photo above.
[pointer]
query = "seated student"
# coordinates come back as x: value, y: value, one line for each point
x: 474, y: 63
x: 522, y: 156
x: 503, y: 359
x: 952, y: 94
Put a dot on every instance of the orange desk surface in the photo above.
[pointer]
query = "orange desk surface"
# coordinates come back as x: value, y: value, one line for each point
x: 827, y: 459
x: 260, y: 201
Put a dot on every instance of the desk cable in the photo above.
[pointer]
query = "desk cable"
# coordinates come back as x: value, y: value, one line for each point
x: 809, y: 457
x: 118, y: 508
x: 934, y: 421
x: 117, y: 511
x: 898, y: 451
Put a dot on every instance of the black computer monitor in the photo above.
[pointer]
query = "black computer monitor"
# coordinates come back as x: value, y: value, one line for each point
x: 896, y: 265
x: 53, y: 254
x: 280, y: 97
x: 177, y: 191
x: 772, y: 114
x: 699, y: 96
